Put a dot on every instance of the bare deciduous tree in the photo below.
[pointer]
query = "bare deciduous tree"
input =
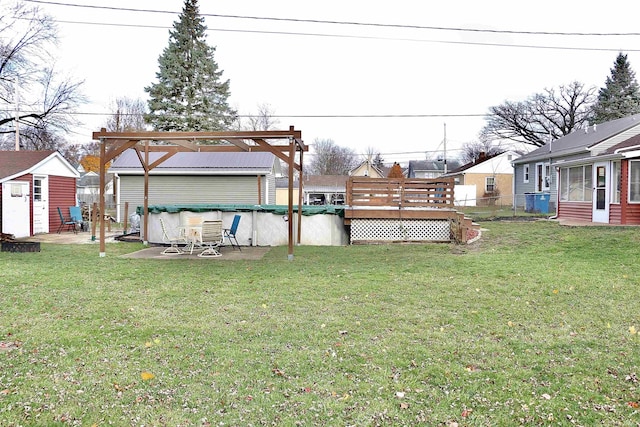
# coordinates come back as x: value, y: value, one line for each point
x: 543, y: 117
x: 128, y: 115
x: 331, y: 159
x: 263, y: 119
x: 47, y: 100
x: 472, y: 150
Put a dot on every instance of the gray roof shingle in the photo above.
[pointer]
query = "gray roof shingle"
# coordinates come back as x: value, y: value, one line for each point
x: 580, y: 140
x: 13, y: 162
x: 198, y: 161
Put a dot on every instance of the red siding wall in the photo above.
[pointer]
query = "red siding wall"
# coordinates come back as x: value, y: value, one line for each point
x: 615, y: 214
x: 629, y: 212
x: 624, y: 213
x: 575, y: 210
x: 62, y: 194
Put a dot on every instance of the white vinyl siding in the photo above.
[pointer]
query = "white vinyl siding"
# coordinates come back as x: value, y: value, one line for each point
x: 166, y: 190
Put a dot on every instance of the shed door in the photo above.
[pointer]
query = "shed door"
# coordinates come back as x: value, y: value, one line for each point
x: 600, y: 193
x: 40, y: 204
x: 15, y: 208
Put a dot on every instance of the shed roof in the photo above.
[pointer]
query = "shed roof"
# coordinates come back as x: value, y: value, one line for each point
x: 17, y: 163
x: 198, y: 163
x: 13, y: 162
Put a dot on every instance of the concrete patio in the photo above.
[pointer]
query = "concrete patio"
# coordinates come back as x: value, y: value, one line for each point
x: 151, y: 252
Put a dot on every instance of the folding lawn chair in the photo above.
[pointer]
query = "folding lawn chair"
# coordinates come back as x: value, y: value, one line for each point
x: 230, y: 233
x: 76, y: 215
x: 66, y: 222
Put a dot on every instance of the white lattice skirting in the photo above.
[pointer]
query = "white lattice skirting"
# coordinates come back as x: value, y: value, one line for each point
x: 393, y: 230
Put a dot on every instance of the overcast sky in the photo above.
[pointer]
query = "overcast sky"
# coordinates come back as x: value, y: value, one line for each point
x: 393, y: 86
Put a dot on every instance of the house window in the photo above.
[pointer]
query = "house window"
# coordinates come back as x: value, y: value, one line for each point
x: 616, y: 182
x: 490, y: 184
x: 634, y: 181
x: 16, y: 190
x: 543, y: 176
x: 37, y: 189
x: 526, y: 174
x: 575, y: 184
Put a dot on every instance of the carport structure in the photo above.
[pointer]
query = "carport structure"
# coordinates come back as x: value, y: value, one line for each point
x: 287, y: 145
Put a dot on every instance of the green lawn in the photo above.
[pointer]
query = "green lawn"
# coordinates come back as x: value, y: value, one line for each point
x: 534, y: 324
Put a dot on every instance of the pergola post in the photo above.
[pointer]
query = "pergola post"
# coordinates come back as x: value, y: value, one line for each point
x: 103, y: 183
x: 186, y: 141
x: 300, y: 201
x: 145, y: 207
x: 290, y: 211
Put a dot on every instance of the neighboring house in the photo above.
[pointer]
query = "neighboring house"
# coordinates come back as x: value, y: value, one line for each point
x: 324, y: 189
x: 34, y: 185
x: 592, y: 174
x: 197, y: 177
x: 282, y: 191
x: 366, y: 168
x: 485, y: 181
x: 316, y: 190
x: 88, y: 188
x: 430, y: 168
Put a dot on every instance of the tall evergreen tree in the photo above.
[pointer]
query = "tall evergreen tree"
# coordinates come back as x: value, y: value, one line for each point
x: 189, y: 94
x: 620, y: 97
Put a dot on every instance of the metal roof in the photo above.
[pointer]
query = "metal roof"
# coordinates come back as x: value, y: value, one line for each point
x: 198, y: 162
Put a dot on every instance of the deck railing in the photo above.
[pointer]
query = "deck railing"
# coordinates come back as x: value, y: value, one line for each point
x: 399, y: 192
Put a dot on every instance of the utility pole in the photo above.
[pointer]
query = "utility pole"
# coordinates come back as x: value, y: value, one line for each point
x: 17, y: 123
x: 445, y: 148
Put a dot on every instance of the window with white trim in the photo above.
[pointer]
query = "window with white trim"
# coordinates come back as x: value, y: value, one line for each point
x: 576, y: 184
x: 616, y: 182
x: 37, y: 189
x: 543, y: 176
x: 489, y: 184
x: 526, y: 174
x: 634, y: 181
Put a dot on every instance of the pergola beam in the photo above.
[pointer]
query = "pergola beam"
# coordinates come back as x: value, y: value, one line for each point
x: 188, y: 136
x: 188, y: 142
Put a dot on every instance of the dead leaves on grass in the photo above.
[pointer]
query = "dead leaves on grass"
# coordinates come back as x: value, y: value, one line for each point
x: 10, y: 345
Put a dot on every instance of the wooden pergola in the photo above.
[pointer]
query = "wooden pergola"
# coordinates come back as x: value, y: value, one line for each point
x: 287, y: 145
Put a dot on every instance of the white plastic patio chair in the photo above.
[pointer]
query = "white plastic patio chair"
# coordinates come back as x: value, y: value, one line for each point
x: 212, y: 238
x: 172, y: 240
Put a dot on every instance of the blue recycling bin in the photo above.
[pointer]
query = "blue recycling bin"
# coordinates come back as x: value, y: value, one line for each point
x: 529, y: 202
x: 541, y: 203
x: 536, y: 202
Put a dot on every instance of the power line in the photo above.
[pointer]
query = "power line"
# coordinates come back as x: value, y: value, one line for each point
x: 300, y: 116
x: 348, y: 36
x: 351, y: 23
x: 351, y: 36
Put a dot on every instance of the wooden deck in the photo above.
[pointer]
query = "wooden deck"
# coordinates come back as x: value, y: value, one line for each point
x: 398, y: 199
